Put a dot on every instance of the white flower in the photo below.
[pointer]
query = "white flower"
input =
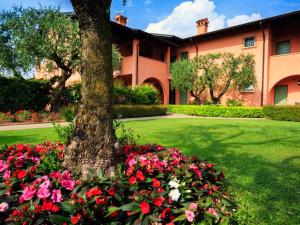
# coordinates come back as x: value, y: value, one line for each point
x: 173, y: 184
x: 3, y: 207
x: 174, y: 195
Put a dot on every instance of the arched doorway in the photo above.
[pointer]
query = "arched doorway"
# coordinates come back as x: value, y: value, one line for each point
x: 157, y: 84
x: 287, y: 91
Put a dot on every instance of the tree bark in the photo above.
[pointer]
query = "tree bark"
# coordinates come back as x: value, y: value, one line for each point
x: 92, y: 145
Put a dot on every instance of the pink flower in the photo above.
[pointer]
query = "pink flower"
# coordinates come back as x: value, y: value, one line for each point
x: 193, y: 206
x: 55, y: 175
x: 46, y: 184
x: 28, y: 193
x: 6, y: 174
x: 131, y: 162
x: 43, y: 193
x: 189, y: 215
x: 67, y: 184
x: 213, y: 211
x: 66, y: 175
x: 3, y: 166
x: 3, y: 207
x: 56, y: 196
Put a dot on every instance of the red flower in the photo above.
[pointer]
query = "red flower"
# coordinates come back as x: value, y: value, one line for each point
x: 75, y: 219
x: 93, y: 192
x: 132, y: 180
x: 145, y: 207
x: 140, y: 175
x: 156, y: 183
x: 50, y: 206
x: 165, y: 213
x: 129, y: 171
x: 100, y: 201
x: 111, y: 191
x: 21, y: 174
x: 159, y: 201
x: 80, y: 200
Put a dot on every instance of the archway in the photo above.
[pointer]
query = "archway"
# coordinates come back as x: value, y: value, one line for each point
x: 286, y: 91
x: 157, y: 84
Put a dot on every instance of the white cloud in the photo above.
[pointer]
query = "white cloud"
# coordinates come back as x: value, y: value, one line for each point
x: 243, y: 19
x: 148, y: 2
x: 182, y: 20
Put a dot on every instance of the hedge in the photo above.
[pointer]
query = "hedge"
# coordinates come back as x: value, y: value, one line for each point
x: 217, y: 111
x: 20, y: 94
x: 284, y: 113
x: 131, y: 111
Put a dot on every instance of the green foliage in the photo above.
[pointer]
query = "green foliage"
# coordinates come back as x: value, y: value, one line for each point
x: 68, y: 112
x: 71, y: 94
x: 16, y: 94
x: 217, y: 111
x: 125, y: 135
x: 50, y: 162
x: 139, y: 95
x: 232, y: 102
x: 285, y: 113
x: 131, y: 111
x: 116, y: 58
x: 64, y: 132
x: 216, y: 72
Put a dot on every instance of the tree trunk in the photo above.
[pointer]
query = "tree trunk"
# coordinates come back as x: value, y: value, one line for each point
x: 197, y: 98
x: 92, y: 146
x: 57, y: 91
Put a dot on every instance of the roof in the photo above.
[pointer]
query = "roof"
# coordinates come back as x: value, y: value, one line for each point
x: 245, y: 26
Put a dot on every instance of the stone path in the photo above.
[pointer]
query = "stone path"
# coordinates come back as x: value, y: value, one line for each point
x: 169, y: 116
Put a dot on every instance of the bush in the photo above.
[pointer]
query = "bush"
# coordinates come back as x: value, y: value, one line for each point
x: 151, y: 185
x: 285, y: 113
x: 17, y: 94
x: 217, y: 111
x: 231, y: 102
x: 131, y: 111
x: 68, y: 112
x: 23, y: 115
x: 71, y: 95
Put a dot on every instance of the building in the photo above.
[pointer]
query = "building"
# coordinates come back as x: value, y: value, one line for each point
x: 274, y: 42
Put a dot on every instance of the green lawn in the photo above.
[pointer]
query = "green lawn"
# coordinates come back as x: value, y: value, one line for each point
x: 261, y: 159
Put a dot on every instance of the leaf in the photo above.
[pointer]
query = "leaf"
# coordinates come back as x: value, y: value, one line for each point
x: 180, y: 218
x: 226, y: 221
x: 68, y: 207
x: 130, y: 207
x: 57, y: 219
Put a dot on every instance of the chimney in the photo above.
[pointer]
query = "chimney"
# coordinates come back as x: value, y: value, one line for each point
x: 202, y: 26
x: 122, y: 20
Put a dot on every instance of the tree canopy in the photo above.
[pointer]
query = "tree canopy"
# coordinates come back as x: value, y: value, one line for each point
x: 216, y: 72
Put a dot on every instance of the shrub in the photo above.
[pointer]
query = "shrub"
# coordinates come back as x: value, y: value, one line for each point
x: 131, y: 111
x: 23, y: 115
x: 64, y: 132
x: 71, y: 95
x: 4, y: 118
x: 286, y: 113
x: 151, y: 185
x: 17, y: 94
x: 217, y: 111
x: 231, y: 102
x: 68, y: 112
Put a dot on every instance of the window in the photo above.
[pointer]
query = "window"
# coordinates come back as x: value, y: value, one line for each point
x: 249, y: 42
x: 282, y: 47
x: 184, y: 55
x: 250, y: 88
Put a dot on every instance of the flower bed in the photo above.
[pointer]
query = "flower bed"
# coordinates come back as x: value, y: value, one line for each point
x: 26, y: 116
x: 153, y: 184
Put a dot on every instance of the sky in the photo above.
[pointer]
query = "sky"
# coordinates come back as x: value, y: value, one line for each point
x: 178, y: 17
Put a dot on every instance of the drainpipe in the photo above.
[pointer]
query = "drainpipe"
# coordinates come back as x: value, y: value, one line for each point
x: 263, y: 64
x: 137, y: 64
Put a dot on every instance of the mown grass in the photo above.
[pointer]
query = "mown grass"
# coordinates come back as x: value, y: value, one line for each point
x: 260, y: 158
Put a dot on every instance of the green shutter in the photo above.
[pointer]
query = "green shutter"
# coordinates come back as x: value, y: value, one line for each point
x: 283, y: 48
x: 183, y: 97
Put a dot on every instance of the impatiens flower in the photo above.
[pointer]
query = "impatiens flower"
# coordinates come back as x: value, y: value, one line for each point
x: 3, y: 166
x: 55, y: 175
x: 165, y: 213
x: 50, y: 206
x: 6, y: 174
x: 145, y: 207
x: 3, y: 207
x: 140, y: 175
x: 75, y: 219
x: 93, y: 192
x: 131, y: 162
x: 189, y: 215
x: 56, y: 196
x: 159, y: 201
x: 156, y: 183
x: 193, y: 206
x: 132, y: 180
x: 46, y: 184
x: 173, y: 184
x: 21, y: 174
x: 111, y: 191
x: 129, y: 171
x: 43, y: 193
x: 28, y: 193
x: 174, y: 195
x: 213, y: 211
x: 67, y: 184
